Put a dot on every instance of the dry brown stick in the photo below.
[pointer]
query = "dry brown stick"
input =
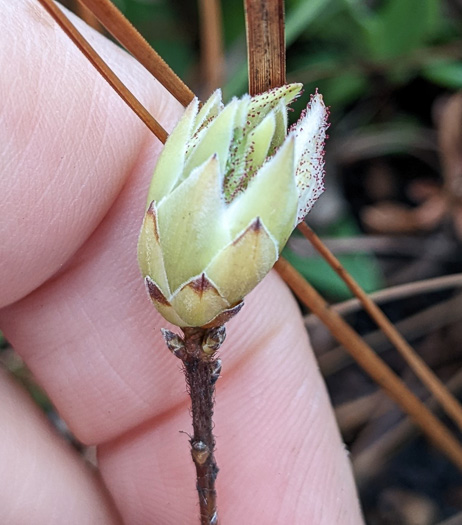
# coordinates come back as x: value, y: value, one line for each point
x: 211, y: 45
x: 121, y: 29
x: 414, y: 326
x: 104, y: 69
x: 401, y: 291
x: 418, y: 365
x: 266, y: 50
x: 370, y: 459
x: 372, y: 364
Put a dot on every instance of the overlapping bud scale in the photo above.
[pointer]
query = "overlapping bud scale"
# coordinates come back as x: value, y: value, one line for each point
x: 229, y: 187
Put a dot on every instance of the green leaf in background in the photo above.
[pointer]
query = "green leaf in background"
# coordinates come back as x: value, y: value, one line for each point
x: 300, y: 14
x: 167, y: 29
x: 233, y: 19
x: 447, y: 73
x: 342, y: 89
x: 401, y: 26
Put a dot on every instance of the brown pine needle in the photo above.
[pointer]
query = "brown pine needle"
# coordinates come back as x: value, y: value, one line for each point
x: 401, y: 291
x: 122, y: 30
x: 372, y: 364
x: 104, y: 69
x: 88, y: 17
x: 369, y: 460
x: 417, y: 325
x: 266, y: 49
x: 418, y: 365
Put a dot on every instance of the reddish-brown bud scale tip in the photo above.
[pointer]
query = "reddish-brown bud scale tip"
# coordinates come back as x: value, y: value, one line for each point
x: 201, y: 285
x: 154, y: 292
x: 152, y: 213
x: 225, y: 316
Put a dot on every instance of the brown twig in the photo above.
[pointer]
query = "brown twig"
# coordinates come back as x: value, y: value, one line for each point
x: 372, y: 364
x: 369, y: 460
x: 211, y: 45
x: 202, y: 369
x: 402, y: 291
x: 266, y: 50
x: 418, y: 365
x: 409, y: 246
x: 353, y: 414
x: 121, y: 29
x: 104, y: 69
x: 414, y: 326
x: 201, y: 376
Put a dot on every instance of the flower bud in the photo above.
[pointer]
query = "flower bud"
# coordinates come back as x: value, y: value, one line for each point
x: 229, y: 187
x: 213, y: 340
x: 174, y: 343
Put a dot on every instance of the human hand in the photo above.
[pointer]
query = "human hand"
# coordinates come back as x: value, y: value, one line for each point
x: 75, y: 166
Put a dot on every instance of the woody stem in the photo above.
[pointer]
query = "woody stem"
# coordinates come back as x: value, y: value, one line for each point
x: 202, y: 369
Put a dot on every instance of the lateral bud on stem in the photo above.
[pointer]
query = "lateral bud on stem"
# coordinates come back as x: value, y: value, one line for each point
x: 174, y: 343
x: 215, y: 372
x: 200, y: 452
x: 213, y: 340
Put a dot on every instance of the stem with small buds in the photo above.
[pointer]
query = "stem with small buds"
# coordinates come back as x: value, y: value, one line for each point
x: 197, y: 351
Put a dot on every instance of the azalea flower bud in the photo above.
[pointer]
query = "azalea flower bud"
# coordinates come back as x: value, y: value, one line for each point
x: 229, y: 187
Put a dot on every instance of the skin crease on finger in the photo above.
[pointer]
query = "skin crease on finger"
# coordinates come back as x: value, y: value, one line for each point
x: 49, y: 482
x: 79, y: 316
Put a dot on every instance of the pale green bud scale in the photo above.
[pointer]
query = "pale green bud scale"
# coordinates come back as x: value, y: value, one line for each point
x: 277, y: 208
x: 208, y: 111
x: 190, y: 224
x: 251, y: 256
x: 214, y: 139
x: 170, y: 165
x: 150, y: 252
